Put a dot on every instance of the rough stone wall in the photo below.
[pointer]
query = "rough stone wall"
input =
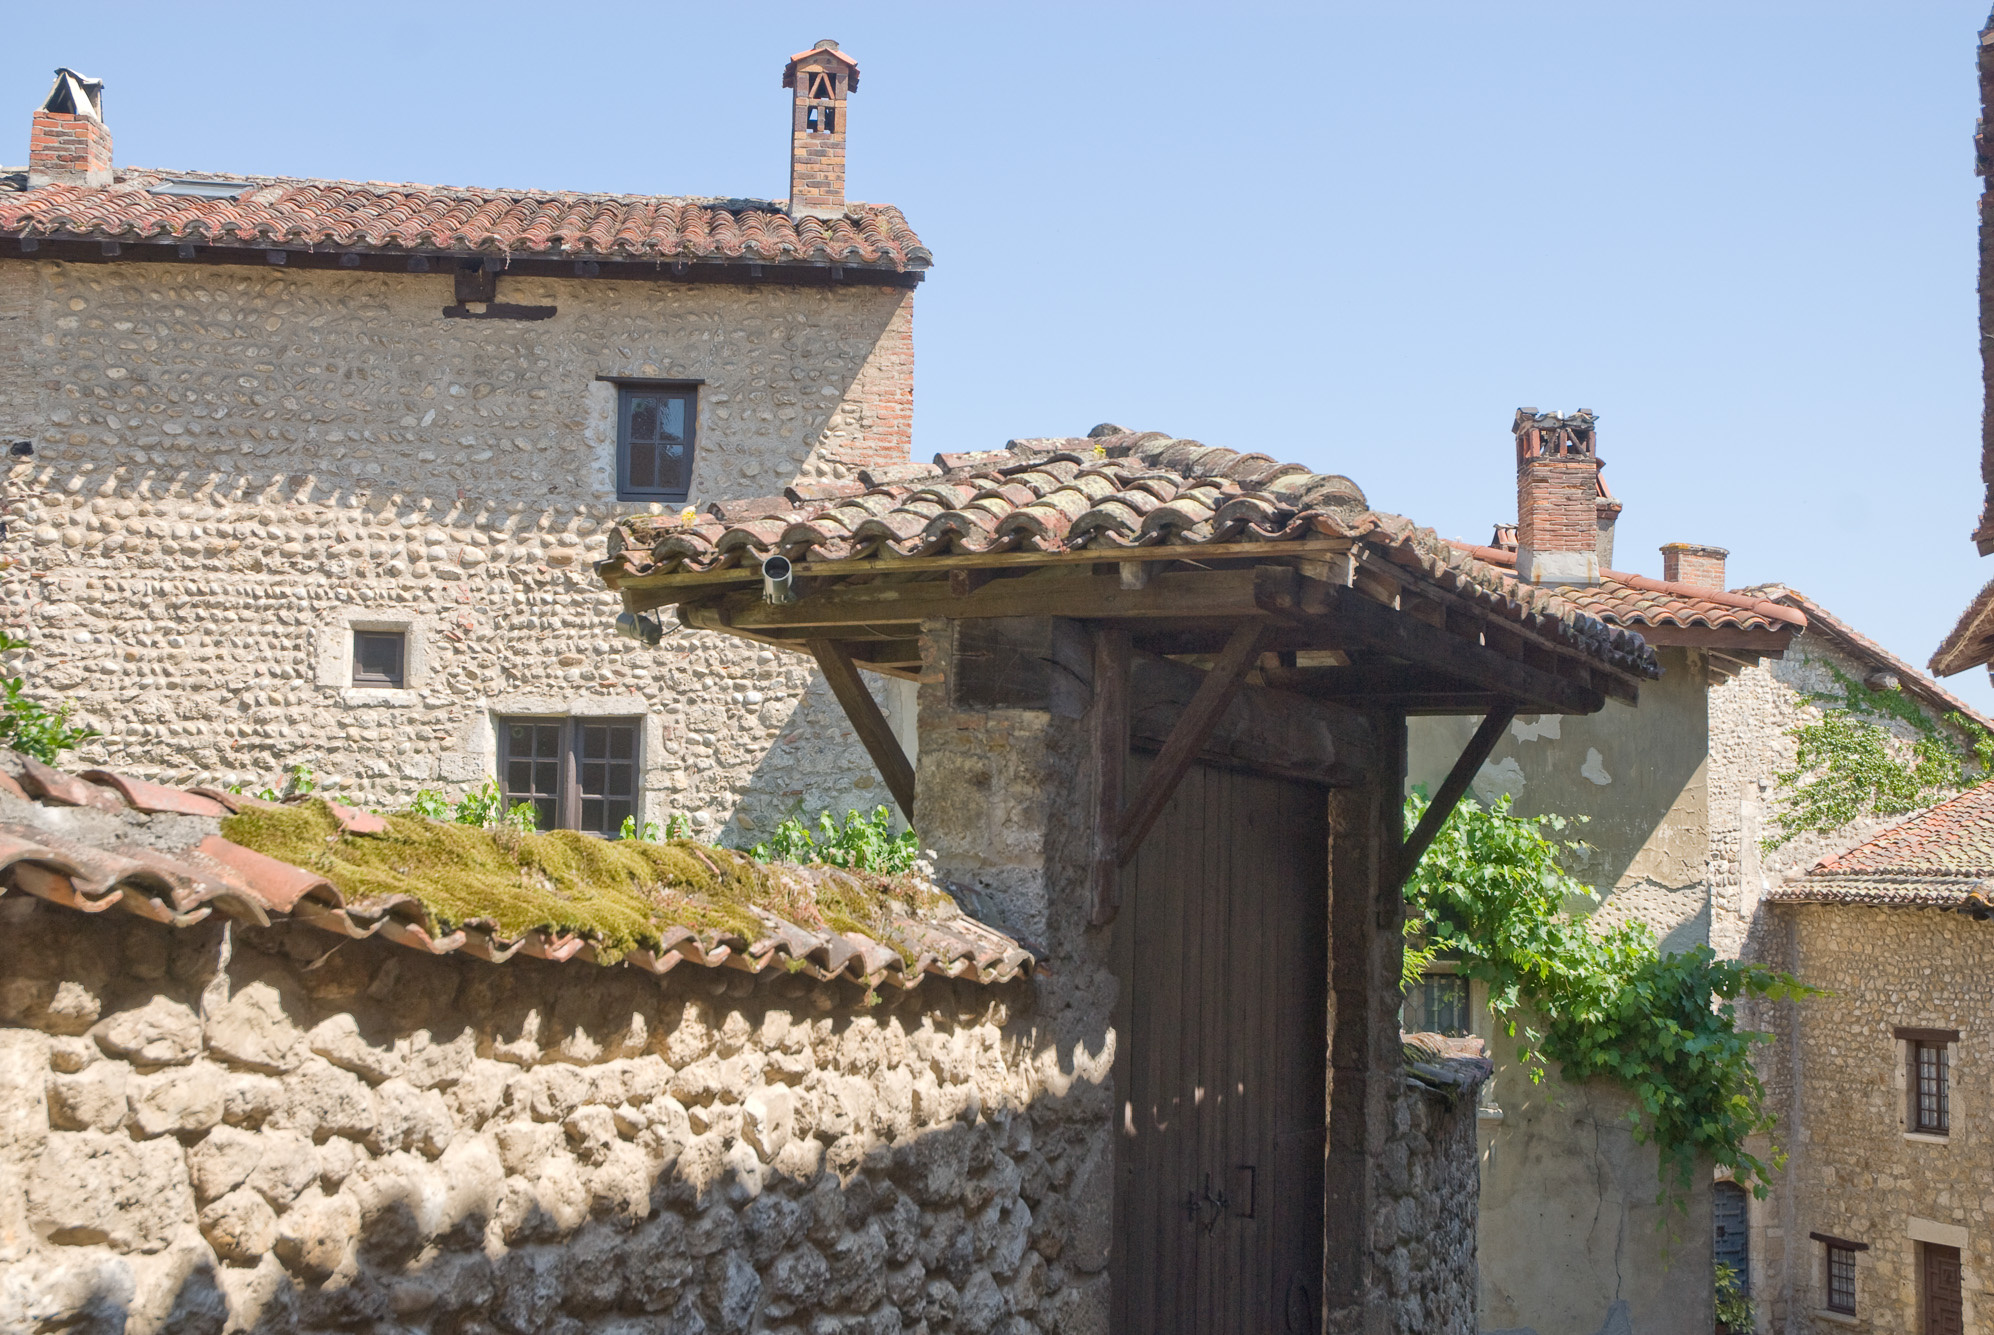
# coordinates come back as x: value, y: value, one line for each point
x: 1424, y: 1235
x: 1751, y: 717
x: 1855, y: 1171
x: 233, y: 466
x: 222, y: 1128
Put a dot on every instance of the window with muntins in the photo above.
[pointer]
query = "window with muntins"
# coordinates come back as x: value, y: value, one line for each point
x: 1930, y: 1095
x: 1437, y: 1004
x: 1841, y: 1279
x: 578, y: 774
x: 654, y: 441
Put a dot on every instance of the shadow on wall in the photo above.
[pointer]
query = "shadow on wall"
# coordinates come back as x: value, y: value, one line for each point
x: 218, y: 1129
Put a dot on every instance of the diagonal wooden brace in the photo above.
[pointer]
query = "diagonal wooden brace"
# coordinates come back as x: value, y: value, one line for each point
x: 863, y: 711
x: 1452, y: 789
x: 1214, y: 696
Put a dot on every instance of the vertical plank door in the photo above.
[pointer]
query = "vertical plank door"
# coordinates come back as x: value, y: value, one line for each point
x: 1222, y: 1044
x: 1939, y: 1288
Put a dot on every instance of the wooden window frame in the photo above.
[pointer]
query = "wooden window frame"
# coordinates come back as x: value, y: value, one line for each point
x: 1841, y: 1297
x: 1937, y: 1045
x: 627, y: 387
x: 399, y: 681
x: 568, y: 798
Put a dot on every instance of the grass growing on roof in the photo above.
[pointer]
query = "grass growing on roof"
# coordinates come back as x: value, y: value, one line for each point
x: 618, y: 893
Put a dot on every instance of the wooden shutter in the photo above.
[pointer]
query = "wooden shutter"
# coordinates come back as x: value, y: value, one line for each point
x: 1730, y: 1240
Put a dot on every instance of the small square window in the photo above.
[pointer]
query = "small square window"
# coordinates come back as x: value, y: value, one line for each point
x: 1841, y: 1279
x: 655, y: 426
x: 1437, y: 1004
x: 379, y: 657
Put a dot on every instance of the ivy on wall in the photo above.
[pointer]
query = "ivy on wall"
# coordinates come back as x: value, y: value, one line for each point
x: 1494, y: 893
x: 1847, y: 765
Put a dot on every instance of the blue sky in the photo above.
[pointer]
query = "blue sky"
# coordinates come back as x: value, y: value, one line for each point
x: 1357, y: 236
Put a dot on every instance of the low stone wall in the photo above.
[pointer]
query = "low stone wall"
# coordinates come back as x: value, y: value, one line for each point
x: 1423, y: 1230
x: 220, y: 1128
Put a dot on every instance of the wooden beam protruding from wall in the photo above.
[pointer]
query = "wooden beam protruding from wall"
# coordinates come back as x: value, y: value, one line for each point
x: 1214, y: 695
x: 1109, y: 726
x: 835, y: 660
x: 1452, y: 789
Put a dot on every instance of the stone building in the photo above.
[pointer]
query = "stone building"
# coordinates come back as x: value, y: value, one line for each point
x: 1882, y: 1083
x: 311, y: 472
x: 1158, y: 680
x: 1680, y: 796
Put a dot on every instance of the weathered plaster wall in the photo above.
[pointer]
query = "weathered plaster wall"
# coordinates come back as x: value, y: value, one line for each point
x: 1639, y: 775
x: 1570, y: 1224
x: 232, y: 465
x: 1854, y: 1171
x: 223, y: 1129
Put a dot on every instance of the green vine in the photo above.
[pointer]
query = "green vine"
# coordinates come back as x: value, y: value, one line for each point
x: 30, y: 727
x: 1493, y: 892
x: 1845, y: 766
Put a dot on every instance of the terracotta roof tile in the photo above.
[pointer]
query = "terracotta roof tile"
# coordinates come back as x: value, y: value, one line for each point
x: 1937, y: 858
x: 285, y: 212
x: 1119, y: 492
x: 114, y: 842
x: 1624, y: 599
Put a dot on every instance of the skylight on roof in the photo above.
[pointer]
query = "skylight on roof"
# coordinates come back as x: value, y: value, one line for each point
x: 198, y: 189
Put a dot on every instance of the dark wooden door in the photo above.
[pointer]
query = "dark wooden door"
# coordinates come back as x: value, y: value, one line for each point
x: 1221, y: 948
x: 1939, y: 1287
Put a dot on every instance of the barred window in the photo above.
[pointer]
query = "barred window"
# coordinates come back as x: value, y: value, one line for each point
x: 1841, y: 1279
x: 1928, y: 1079
x: 1437, y: 1004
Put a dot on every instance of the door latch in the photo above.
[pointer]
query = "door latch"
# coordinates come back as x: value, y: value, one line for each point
x: 1197, y: 1204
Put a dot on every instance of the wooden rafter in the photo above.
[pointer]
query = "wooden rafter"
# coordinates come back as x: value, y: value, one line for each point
x: 867, y: 721
x: 1216, y: 692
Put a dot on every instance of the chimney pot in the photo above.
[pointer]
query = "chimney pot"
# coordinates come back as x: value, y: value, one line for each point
x: 1558, y: 514
x: 68, y: 143
x: 822, y: 78
x: 1694, y: 564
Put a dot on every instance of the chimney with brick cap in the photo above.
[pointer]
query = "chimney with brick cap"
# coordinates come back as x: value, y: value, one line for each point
x: 821, y: 77
x: 69, y: 144
x: 1559, y: 519
x: 1693, y: 563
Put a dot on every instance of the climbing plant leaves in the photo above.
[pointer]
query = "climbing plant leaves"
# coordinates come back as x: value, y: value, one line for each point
x: 1494, y: 892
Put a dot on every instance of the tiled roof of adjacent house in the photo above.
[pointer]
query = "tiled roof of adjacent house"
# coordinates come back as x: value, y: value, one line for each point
x: 1112, y: 492
x: 98, y: 841
x: 1624, y: 599
x: 1938, y: 858
x: 1821, y: 621
x: 279, y: 212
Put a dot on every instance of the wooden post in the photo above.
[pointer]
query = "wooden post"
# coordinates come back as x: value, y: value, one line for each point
x: 1215, y: 695
x: 866, y: 720
x: 1109, y: 728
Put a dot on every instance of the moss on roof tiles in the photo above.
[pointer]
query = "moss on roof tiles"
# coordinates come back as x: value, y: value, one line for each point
x: 619, y: 894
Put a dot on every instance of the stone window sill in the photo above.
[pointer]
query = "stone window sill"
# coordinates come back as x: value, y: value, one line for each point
x: 1927, y: 1138
x: 362, y: 696
x: 1839, y: 1318
x: 1488, y: 1114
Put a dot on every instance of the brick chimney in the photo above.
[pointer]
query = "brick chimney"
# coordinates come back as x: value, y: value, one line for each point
x: 1693, y: 563
x: 1558, y: 513
x: 69, y: 144
x: 821, y: 76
